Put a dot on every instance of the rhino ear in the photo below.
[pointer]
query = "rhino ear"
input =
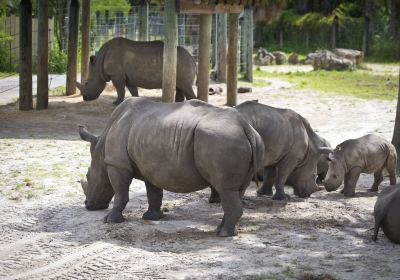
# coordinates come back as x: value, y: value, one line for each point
x: 92, y: 59
x: 87, y: 136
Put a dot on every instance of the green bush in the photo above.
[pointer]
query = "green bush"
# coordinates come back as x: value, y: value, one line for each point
x: 57, y: 61
x: 6, y: 56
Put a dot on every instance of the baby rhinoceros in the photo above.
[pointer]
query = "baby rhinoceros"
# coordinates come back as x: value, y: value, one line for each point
x: 367, y: 154
x: 387, y: 213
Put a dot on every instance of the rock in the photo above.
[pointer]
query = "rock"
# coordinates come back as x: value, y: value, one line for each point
x: 264, y: 57
x: 327, y: 60
x: 244, y: 89
x: 293, y: 59
x: 280, y: 57
x: 353, y: 55
x: 214, y: 89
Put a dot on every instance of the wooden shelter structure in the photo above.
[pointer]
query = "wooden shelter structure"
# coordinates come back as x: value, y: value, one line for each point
x: 172, y: 8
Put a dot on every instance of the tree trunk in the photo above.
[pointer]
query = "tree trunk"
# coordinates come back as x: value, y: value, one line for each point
x: 396, y: 131
x: 204, y: 56
x: 85, y: 40
x: 394, y: 19
x: 222, y: 39
x: 250, y: 42
x: 232, y: 60
x: 73, y: 31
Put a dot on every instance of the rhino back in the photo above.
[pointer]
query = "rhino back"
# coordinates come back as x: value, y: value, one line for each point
x: 280, y: 129
x: 141, y: 63
x: 369, y: 152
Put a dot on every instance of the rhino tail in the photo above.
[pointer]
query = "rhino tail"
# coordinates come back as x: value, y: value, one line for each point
x: 257, y: 149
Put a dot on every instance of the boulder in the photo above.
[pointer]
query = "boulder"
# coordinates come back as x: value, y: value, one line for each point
x: 353, y: 55
x: 280, y: 57
x: 294, y: 59
x: 327, y: 60
x: 264, y: 57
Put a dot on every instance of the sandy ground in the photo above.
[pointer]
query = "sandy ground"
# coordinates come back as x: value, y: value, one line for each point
x: 45, y: 232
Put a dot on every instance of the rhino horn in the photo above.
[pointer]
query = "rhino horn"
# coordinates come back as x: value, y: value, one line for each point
x: 87, y: 136
x: 84, y: 186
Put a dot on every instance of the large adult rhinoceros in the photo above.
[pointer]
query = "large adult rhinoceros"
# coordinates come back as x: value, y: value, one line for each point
x: 292, y: 150
x: 136, y: 64
x: 181, y: 147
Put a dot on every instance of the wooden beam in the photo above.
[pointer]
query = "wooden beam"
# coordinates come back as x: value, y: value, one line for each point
x: 248, y: 19
x: 204, y: 56
x: 170, y: 52
x: 72, y: 47
x: 232, y: 60
x: 85, y: 40
x: 222, y: 40
x: 43, y: 57
x: 189, y: 7
x: 25, y: 56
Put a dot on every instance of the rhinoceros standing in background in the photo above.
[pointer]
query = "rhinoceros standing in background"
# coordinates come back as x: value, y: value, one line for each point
x: 292, y: 150
x: 136, y: 64
x: 181, y: 147
x: 367, y: 154
x: 387, y: 213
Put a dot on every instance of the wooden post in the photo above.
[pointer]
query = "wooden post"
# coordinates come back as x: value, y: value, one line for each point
x: 214, y: 41
x: 232, y: 60
x: 222, y: 38
x: 85, y: 40
x: 243, y: 45
x: 204, y: 56
x: 72, y: 47
x: 170, y: 53
x: 25, y: 56
x: 42, y: 52
x: 144, y: 21
x: 248, y: 12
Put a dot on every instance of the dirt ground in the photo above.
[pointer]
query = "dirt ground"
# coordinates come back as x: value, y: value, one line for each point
x: 45, y: 231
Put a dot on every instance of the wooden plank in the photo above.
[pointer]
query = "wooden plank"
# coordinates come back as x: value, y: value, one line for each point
x: 25, y: 56
x: 42, y: 52
x: 170, y: 52
x: 189, y: 7
x: 204, y: 56
x: 232, y: 60
x: 72, y: 47
x: 222, y: 41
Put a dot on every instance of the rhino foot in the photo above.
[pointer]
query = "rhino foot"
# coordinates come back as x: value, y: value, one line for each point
x: 372, y: 189
x: 281, y: 196
x: 226, y: 230
x: 117, y: 102
x: 114, y: 217
x: 153, y: 215
x: 264, y: 193
x: 349, y: 193
x: 214, y: 199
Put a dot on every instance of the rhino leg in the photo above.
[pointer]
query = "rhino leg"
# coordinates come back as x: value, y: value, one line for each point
x: 119, y: 84
x: 188, y: 92
x: 120, y: 180
x: 391, y: 168
x: 214, y: 196
x: 133, y: 90
x: 376, y: 229
x: 179, y: 97
x: 268, y: 181
x: 154, y: 198
x: 350, y: 181
x: 232, y: 206
x: 283, y: 170
x: 378, y: 178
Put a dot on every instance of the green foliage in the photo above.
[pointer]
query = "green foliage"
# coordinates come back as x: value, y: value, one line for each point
x: 110, y: 5
x: 6, y: 55
x: 57, y: 61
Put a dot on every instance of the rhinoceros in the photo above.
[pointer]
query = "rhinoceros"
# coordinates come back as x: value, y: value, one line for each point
x: 136, y: 64
x: 181, y: 147
x: 386, y: 212
x: 292, y: 150
x: 367, y: 154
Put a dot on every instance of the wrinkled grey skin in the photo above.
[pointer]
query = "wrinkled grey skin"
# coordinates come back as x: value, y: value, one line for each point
x: 181, y: 147
x: 367, y: 154
x: 291, y: 150
x: 323, y: 163
x: 136, y: 64
x: 387, y: 213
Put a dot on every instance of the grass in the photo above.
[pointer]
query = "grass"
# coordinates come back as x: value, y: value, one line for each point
x: 6, y: 74
x: 362, y: 84
x: 58, y: 91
